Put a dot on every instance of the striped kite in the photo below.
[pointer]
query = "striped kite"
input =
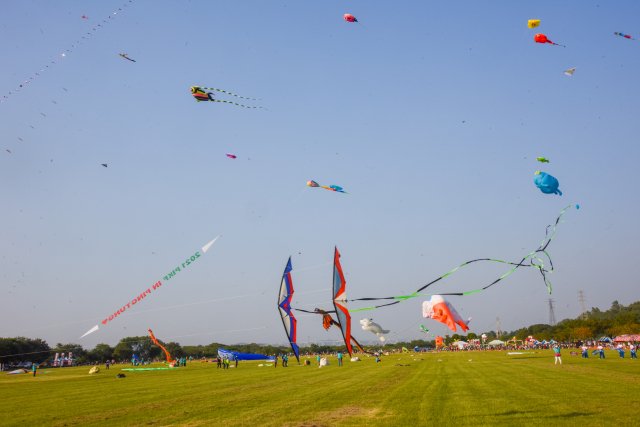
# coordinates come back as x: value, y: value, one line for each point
x: 284, y: 307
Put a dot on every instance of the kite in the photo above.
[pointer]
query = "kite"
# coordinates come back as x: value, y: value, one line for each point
x: 541, y: 38
x: 542, y: 159
x: 170, y: 360
x: 534, y: 259
x: 350, y: 18
x: 439, y: 341
x: 232, y: 156
x: 340, y: 300
x: 424, y: 329
x: 125, y: 56
x: 104, y: 165
x: 569, y: 72
x: 183, y: 265
x: 84, y: 17
x: 335, y: 188
x: 439, y: 309
x: 546, y: 183
x: 626, y: 36
x: 373, y: 327
x: 339, y: 297
x: 284, y: 307
x: 203, y: 94
x: 533, y: 23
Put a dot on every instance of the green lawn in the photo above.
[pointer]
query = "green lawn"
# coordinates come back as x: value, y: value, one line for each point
x: 469, y: 388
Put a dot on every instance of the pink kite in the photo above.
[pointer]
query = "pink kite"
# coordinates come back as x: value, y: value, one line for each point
x: 350, y: 18
x: 439, y: 309
x: 541, y: 38
x: 231, y: 156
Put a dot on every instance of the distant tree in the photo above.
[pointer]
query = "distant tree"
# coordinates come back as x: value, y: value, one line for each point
x: 21, y: 349
x: 100, y: 353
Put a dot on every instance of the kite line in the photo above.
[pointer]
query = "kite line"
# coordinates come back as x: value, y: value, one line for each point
x: 535, y: 259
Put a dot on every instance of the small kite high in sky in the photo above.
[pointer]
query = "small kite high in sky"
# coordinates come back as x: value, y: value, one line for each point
x: 542, y: 159
x: 439, y: 309
x: 533, y: 23
x: 184, y: 264
x: 335, y: 188
x: 548, y: 184
x: 541, y: 38
x: 232, y: 156
x: 104, y: 165
x: 569, y: 71
x: 349, y: 17
x: 626, y: 36
x: 201, y: 93
x: 125, y: 56
x: 424, y: 329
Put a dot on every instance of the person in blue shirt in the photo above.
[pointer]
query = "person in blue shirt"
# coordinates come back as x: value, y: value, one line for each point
x: 558, y: 356
x: 339, y: 358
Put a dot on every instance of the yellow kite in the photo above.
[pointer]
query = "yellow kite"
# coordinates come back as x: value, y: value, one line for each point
x: 533, y: 23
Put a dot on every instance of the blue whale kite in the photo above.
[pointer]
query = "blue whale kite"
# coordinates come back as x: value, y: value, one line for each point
x: 546, y: 183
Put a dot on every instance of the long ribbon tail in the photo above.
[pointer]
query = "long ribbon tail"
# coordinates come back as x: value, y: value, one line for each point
x: 235, y: 103
x: 533, y: 259
x: 230, y: 93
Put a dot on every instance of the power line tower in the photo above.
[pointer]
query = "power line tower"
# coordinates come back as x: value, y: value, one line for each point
x: 583, y: 305
x: 498, y: 327
x: 552, y: 314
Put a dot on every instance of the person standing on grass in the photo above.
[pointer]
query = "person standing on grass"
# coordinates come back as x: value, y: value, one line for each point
x: 585, y: 351
x: 339, y: 358
x: 632, y: 351
x: 556, y: 352
x: 275, y: 361
x: 601, y: 351
x: 107, y: 364
x: 34, y: 368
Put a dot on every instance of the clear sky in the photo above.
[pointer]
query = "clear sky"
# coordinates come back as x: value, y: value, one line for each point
x: 430, y: 114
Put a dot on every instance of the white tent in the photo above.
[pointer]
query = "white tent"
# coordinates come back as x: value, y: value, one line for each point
x: 461, y: 344
x: 496, y: 343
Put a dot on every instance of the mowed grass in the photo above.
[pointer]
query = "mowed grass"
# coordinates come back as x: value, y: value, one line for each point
x: 468, y: 388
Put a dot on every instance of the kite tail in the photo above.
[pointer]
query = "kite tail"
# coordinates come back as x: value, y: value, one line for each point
x: 156, y: 342
x: 235, y: 103
x: 535, y: 259
x: 231, y: 93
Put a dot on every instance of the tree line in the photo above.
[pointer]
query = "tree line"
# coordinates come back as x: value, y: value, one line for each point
x: 617, y: 320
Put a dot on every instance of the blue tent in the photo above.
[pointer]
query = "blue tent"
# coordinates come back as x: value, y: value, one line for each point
x: 605, y: 339
x: 234, y: 355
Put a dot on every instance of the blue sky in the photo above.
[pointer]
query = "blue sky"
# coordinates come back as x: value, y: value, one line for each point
x: 430, y: 114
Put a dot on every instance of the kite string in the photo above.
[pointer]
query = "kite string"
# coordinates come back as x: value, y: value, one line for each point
x: 63, y: 55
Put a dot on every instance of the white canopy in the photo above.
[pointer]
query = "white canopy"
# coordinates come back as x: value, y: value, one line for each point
x: 496, y: 342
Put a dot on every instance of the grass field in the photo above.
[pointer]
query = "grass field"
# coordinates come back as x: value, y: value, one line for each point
x: 468, y: 388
